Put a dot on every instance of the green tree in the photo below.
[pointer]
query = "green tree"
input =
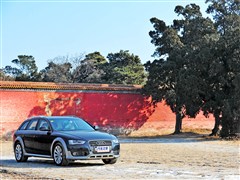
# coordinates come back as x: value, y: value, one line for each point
x: 226, y: 62
x: 198, y: 89
x: 199, y: 63
x: 59, y: 73
x: 124, y: 68
x: 172, y: 77
x: 4, y: 77
x: 26, y: 69
x: 91, y: 69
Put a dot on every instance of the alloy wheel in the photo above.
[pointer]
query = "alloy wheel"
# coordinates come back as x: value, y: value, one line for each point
x: 18, y: 152
x: 58, y: 154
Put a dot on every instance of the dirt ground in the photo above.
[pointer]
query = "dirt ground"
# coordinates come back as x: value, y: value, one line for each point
x: 186, y: 156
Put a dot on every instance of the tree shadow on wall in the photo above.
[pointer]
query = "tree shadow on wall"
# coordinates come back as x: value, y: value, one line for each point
x: 116, y: 113
x: 56, y: 104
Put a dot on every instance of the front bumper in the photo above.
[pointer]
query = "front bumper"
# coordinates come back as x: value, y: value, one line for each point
x: 87, y: 152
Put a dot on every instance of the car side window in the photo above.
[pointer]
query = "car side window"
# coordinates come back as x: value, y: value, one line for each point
x: 43, y: 125
x: 32, y: 125
x: 24, y: 125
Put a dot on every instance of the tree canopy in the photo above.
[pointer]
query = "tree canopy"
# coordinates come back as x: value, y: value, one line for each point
x: 118, y: 68
x: 26, y: 69
x: 124, y: 68
x: 57, y: 73
x: 91, y: 69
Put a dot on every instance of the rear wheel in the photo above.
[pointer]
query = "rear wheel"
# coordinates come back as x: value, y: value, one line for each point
x: 110, y: 161
x: 59, y: 155
x: 18, y: 152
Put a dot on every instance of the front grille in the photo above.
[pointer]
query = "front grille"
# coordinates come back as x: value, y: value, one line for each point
x: 100, y: 146
x: 100, y: 143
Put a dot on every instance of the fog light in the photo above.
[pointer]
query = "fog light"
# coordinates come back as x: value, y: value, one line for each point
x: 75, y: 153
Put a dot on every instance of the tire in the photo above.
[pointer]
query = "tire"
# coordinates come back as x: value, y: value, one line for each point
x: 18, y: 152
x: 59, y: 155
x: 110, y: 161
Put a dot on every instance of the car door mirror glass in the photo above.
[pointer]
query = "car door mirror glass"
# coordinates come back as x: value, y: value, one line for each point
x: 44, y: 128
x: 96, y: 128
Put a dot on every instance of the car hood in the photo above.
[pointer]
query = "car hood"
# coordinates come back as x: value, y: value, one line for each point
x: 89, y: 135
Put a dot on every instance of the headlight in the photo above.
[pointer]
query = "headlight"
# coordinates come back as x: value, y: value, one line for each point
x: 74, y: 142
x: 115, y: 141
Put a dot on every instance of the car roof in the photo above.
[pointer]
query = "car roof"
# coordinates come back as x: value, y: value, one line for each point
x: 53, y: 117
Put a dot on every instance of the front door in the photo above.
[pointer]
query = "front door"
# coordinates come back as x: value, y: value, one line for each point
x: 43, y: 137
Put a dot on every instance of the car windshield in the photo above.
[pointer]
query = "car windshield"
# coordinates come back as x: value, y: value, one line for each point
x: 70, y: 124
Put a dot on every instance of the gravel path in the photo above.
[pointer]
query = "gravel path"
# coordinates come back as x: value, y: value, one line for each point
x: 171, y: 157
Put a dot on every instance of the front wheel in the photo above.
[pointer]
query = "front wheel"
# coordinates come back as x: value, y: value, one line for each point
x: 18, y: 151
x: 59, y: 155
x: 110, y: 161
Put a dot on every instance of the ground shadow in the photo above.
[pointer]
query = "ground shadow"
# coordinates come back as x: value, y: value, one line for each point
x: 46, y: 163
x: 185, y: 137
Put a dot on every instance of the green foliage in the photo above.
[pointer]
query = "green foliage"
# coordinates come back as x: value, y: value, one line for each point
x: 225, y: 67
x: 199, y: 64
x: 225, y: 13
x: 124, y: 68
x: 57, y: 73
x: 4, y: 77
x: 26, y: 69
x: 171, y: 77
x: 96, y: 58
x: 91, y: 69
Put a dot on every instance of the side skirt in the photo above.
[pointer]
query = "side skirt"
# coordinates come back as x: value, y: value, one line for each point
x: 38, y: 155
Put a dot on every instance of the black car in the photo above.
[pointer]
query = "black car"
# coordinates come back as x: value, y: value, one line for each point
x: 65, y: 139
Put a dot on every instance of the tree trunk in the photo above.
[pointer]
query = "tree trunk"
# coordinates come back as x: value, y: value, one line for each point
x: 217, y: 124
x: 225, y: 131
x: 178, y: 126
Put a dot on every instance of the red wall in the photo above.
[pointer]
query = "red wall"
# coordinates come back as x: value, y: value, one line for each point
x: 114, y: 111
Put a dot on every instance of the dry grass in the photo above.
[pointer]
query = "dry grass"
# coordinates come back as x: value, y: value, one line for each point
x: 165, y: 132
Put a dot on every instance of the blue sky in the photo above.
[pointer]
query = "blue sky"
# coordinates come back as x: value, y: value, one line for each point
x: 48, y: 29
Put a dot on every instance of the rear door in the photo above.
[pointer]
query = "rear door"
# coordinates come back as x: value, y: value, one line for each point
x: 29, y: 136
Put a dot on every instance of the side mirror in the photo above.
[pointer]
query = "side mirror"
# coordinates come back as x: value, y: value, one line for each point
x: 96, y: 128
x: 43, y: 129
